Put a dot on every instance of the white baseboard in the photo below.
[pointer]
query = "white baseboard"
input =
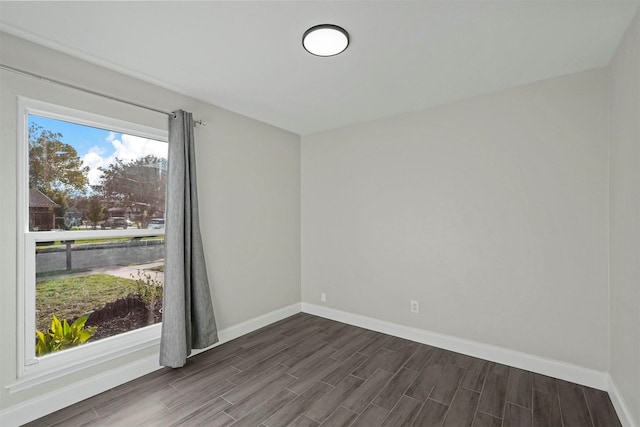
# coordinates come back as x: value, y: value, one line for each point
x: 541, y: 365
x: 235, y: 331
x: 40, y: 406
x: 620, y: 404
x: 48, y: 403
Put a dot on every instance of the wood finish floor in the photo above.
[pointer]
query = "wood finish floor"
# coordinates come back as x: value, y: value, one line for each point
x: 310, y: 371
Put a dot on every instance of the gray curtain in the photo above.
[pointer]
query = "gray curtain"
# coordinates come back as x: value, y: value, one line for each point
x: 187, y: 315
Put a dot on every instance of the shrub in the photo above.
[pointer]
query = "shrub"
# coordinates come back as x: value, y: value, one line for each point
x: 150, y: 292
x: 62, y: 336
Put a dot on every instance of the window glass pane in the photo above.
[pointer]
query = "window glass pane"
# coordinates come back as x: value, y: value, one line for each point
x: 83, y: 178
x: 116, y: 282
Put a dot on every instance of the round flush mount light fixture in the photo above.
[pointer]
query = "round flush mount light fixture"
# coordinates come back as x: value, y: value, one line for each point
x: 325, y: 40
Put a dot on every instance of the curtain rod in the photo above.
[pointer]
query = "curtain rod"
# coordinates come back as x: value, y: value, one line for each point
x: 92, y: 92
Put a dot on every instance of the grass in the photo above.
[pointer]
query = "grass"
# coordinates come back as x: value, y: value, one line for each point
x: 44, y: 274
x: 74, y: 296
x: 159, y: 268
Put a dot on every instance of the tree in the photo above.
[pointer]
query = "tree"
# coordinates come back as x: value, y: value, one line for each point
x: 95, y: 210
x: 54, y: 166
x: 139, y: 184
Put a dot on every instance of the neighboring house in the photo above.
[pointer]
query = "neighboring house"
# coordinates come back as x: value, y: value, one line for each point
x: 42, y: 215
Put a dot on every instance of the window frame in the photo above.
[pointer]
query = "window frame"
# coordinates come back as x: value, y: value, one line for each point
x: 32, y: 370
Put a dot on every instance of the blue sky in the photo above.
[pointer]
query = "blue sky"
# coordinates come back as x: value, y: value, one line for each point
x: 81, y: 137
x: 98, y: 147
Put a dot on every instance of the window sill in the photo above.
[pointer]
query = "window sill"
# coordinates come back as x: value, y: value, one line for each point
x: 57, y: 365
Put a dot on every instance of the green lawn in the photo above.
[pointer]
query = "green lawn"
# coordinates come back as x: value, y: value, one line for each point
x: 74, y: 296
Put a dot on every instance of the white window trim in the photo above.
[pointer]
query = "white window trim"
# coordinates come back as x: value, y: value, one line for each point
x: 33, y: 370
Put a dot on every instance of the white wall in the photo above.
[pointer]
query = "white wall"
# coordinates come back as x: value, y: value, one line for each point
x: 625, y: 218
x: 249, y: 188
x: 492, y: 212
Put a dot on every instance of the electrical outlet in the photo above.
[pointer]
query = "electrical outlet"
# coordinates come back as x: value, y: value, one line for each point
x: 415, y: 306
x: 323, y: 297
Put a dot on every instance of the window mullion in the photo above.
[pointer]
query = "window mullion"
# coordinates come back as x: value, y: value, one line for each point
x: 29, y: 303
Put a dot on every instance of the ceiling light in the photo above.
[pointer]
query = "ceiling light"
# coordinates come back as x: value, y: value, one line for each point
x: 325, y: 40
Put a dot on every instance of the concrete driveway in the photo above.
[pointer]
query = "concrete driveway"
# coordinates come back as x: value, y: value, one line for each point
x: 124, y: 271
x: 131, y: 271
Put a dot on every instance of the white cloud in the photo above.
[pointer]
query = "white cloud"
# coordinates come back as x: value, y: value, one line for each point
x: 94, y: 160
x: 127, y: 148
x: 134, y: 147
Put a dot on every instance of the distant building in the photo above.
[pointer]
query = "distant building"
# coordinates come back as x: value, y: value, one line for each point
x: 42, y: 215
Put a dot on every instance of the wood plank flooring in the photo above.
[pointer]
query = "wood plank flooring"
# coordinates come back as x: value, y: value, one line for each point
x: 310, y: 371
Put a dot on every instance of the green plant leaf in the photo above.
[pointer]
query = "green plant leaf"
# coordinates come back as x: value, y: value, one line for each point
x: 84, y: 335
x: 62, y: 336
x: 80, y: 321
x: 56, y: 327
x: 41, y: 343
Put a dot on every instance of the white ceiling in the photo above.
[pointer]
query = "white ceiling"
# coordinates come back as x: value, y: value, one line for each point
x: 247, y: 56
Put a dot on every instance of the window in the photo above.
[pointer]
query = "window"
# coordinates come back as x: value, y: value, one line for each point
x: 91, y: 216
